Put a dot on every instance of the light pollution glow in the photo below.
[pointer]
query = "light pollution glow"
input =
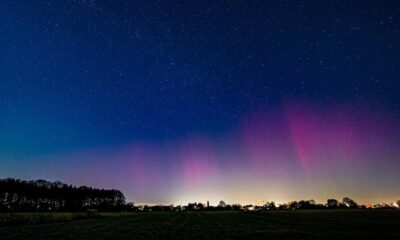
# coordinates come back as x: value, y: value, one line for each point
x: 299, y: 151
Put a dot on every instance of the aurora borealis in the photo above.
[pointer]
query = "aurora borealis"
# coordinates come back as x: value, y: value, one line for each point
x: 180, y: 102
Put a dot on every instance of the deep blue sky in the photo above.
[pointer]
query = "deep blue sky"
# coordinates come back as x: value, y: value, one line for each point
x: 80, y: 74
x: 174, y: 102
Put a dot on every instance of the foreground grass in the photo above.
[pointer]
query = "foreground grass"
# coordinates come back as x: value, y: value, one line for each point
x: 12, y: 219
x: 330, y: 224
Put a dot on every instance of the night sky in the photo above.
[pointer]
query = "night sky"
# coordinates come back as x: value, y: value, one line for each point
x: 171, y: 102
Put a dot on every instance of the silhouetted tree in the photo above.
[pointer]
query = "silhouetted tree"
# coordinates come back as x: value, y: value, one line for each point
x: 332, y: 203
x: 350, y: 203
x: 270, y: 206
x: 41, y: 195
x: 293, y: 205
x: 222, y: 204
x: 236, y: 207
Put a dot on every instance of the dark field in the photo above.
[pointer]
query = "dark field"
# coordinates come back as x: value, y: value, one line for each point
x: 313, y: 224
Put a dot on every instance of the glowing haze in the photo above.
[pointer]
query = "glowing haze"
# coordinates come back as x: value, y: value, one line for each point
x: 177, y: 102
x: 298, y: 151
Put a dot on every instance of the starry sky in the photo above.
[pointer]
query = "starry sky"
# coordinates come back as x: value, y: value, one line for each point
x: 178, y: 101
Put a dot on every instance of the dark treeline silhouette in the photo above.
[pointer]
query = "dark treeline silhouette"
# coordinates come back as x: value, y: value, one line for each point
x: 44, y: 196
x: 346, y: 203
x: 40, y: 195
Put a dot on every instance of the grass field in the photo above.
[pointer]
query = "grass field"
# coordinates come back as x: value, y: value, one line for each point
x: 313, y: 224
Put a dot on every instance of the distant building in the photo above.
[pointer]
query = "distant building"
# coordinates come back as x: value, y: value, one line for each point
x: 208, y: 204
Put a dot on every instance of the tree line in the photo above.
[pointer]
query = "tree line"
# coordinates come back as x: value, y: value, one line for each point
x: 40, y: 195
x: 346, y: 203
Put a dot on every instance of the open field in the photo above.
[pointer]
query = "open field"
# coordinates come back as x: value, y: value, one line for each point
x: 313, y: 224
x: 14, y: 219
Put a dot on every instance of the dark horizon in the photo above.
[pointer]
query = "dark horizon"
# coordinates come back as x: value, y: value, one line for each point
x: 18, y: 195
